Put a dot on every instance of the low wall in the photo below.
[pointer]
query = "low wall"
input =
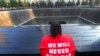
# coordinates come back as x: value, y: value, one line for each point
x: 90, y: 14
x: 26, y: 39
x: 5, y: 19
x: 15, y: 17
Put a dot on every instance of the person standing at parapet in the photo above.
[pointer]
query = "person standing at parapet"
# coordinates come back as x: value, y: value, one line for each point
x: 56, y: 43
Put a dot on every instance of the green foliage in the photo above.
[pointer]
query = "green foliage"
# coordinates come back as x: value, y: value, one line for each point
x: 90, y: 2
x: 74, y: 3
x: 63, y: 3
x: 57, y: 3
x: 70, y: 3
x: 97, y: 2
x: 78, y: 2
x: 33, y: 4
x: 60, y: 3
x: 37, y: 4
x: 43, y: 4
x: 50, y: 3
x: 3, y: 3
x: 83, y: 2
x: 28, y: 4
x: 13, y: 3
x: 20, y: 4
x: 87, y: 2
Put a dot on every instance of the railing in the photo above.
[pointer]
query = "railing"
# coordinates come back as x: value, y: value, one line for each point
x: 26, y: 39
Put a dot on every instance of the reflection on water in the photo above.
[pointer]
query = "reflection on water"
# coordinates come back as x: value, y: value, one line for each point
x: 3, y: 39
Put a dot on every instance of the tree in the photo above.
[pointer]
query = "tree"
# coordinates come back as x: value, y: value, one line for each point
x: 83, y: 2
x: 87, y: 2
x: 60, y: 3
x: 63, y: 3
x: 70, y: 3
x: 3, y: 3
x: 50, y: 3
x: 37, y: 4
x: 13, y: 3
x: 73, y: 3
x: 97, y: 2
x: 43, y: 4
x: 28, y: 4
x: 91, y: 3
x: 57, y: 3
x: 78, y: 2
x: 23, y: 4
x: 20, y: 4
x: 33, y: 4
